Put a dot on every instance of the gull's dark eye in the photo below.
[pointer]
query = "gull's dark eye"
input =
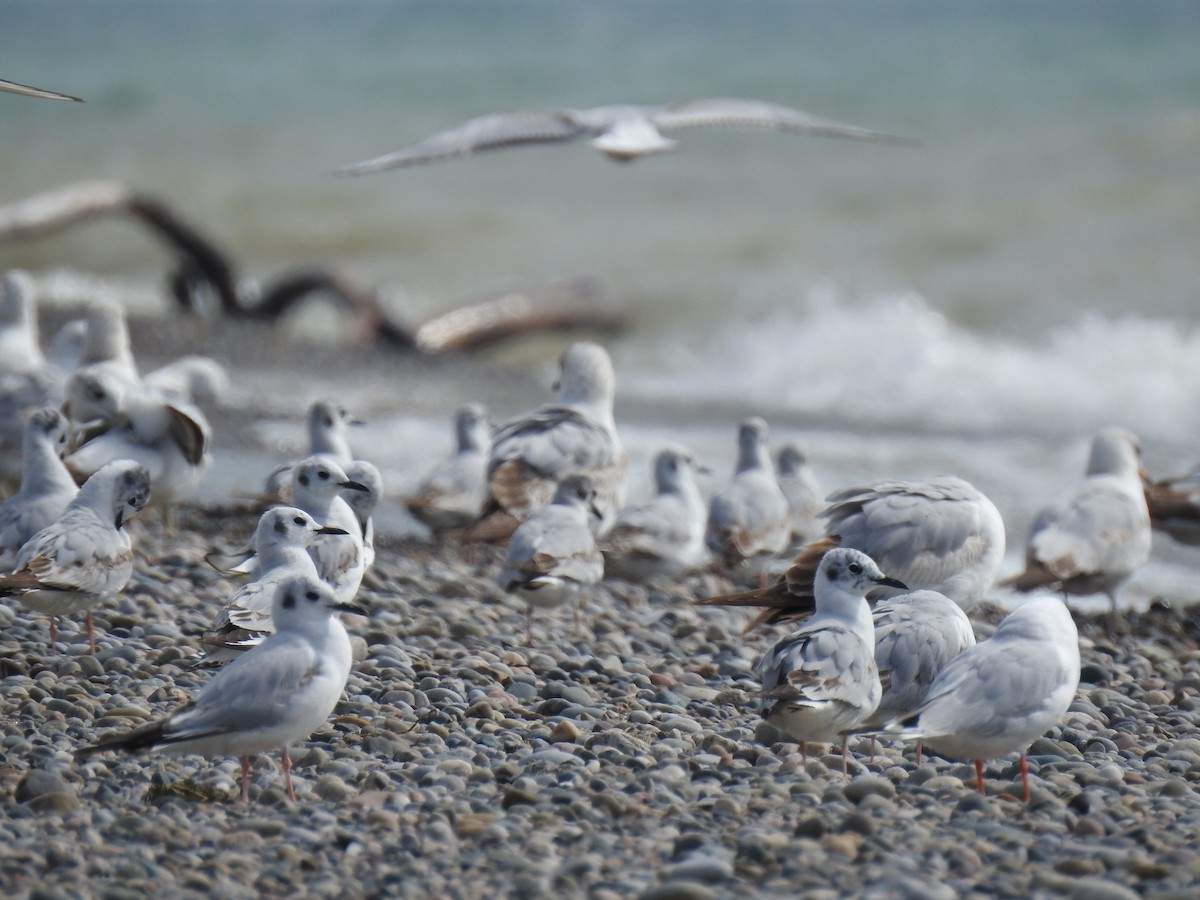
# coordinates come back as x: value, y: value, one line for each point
x: 313, y: 596
x: 855, y: 569
x: 288, y: 601
x: 323, y: 475
x: 299, y: 520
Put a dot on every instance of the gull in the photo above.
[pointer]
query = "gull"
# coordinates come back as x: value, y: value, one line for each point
x: 171, y: 439
x: 317, y: 486
x: 453, y: 493
x: 941, y: 534
x: 13, y: 87
x: 576, y: 434
x: 46, y: 485
x: 621, y: 132
x: 1174, y: 506
x: 666, y: 536
x: 748, y: 517
x: 1097, y: 533
x: 804, y: 495
x: 552, y: 553
x: 106, y: 343
x: 823, y: 677
x: 328, y: 435
x: 362, y: 503
x: 916, y: 636
x: 281, y: 542
x: 1003, y: 693
x: 84, y: 557
x: 270, y: 697
x: 20, y: 350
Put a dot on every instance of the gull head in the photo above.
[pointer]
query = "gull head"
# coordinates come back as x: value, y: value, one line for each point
x: 1116, y: 451
x: 118, y: 489
x: 289, y: 526
x: 472, y: 428
x: 321, y: 477
x: 672, y: 467
x: 586, y: 375
x: 50, y: 425
x: 846, y: 571
x: 305, y: 600
x: 579, y: 492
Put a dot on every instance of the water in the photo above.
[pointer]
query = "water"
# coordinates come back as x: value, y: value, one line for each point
x: 979, y: 305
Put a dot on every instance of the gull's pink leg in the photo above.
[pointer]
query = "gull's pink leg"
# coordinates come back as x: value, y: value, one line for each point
x: 245, y: 779
x: 53, y: 630
x: 1025, y: 775
x: 919, y: 748
x: 845, y: 765
x: 287, y: 775
x: 91, y: 633
x: 979, y: 776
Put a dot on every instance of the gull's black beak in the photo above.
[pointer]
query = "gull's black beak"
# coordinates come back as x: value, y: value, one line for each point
x: 331, y: 529
x: 350, y: 608
x: 353, y: 486
x: 892, y: 582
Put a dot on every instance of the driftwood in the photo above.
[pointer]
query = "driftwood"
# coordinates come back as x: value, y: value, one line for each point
x: 204, y: 269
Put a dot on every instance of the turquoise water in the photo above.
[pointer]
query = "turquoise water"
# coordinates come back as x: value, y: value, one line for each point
x: 978, y: 304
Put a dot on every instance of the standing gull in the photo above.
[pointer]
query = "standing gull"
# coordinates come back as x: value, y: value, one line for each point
x: 276, y: 694
x: 666, y: 536
x: 453, y: 492
x: 748, y: 517
x: 281, y: 543
x: 1003, y: 693
x: 1097, y: 534
x: 553, y: 554
x: 85, y: 556
x: 621, y: 132
x: 940, y: 534
x: 823, y: 676
x: 363, y: 501
x: 804, y: 496
x: 328, y: 425
x: 20, y: 349
x: 576, y: 434
x: 46, y: 485
x: 317, y: 486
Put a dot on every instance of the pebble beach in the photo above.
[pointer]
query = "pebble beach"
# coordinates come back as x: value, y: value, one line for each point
x: 626, y: 761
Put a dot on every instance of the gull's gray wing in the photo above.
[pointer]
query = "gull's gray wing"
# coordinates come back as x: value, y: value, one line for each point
x: 553, y: 542
x: 1100, y: 527
x: 993, y: 689
x: 916, y: 636
x: 734, y: 113
x: 818, y: 665
x: 491, y: 132
x: 255, y: 690
x: 918, y: 532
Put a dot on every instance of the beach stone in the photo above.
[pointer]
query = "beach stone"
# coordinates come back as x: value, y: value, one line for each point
x: 44, y: 792
x: 679, y: 890
x: 1101, y: 889
x: 863, y: 785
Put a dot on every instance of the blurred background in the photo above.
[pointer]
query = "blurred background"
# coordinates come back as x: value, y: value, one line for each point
x: 979, y: 304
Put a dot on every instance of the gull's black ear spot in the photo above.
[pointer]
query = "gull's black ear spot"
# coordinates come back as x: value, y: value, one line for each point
x: 834, y: 573
x: 281, y: 527
x: 289, y: 601
x: 303, y: 479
